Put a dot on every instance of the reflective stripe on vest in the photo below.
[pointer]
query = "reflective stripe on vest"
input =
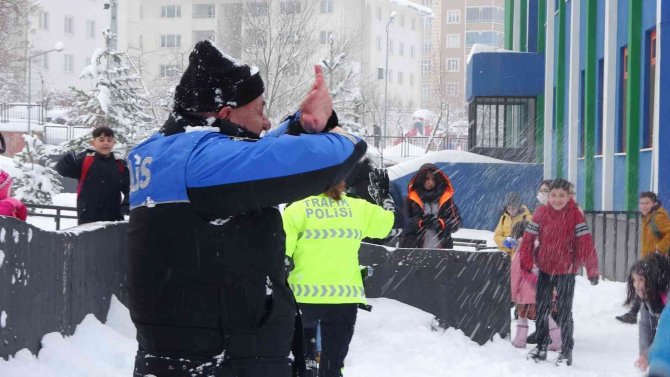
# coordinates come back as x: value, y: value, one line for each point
x: 321, y: 234
x: 320, y: 290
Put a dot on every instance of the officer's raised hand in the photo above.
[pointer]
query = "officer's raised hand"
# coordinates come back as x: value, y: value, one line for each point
x: 317, y: 106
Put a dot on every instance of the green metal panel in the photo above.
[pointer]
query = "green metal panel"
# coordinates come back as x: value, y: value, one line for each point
x: 560, y: 92
x: 509, y: 24
x: 523, y: 28
x: 541, y: 46
x: 590, y: 103
x: 633, y: 101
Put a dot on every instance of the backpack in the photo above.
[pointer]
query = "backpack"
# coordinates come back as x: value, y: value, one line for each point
x: 86, y: 165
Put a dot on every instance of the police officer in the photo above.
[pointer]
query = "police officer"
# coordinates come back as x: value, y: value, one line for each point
x: 323, y: 235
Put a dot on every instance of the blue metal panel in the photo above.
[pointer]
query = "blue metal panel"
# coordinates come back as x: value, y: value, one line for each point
x: 622, y: 31
x: 581, y: 179
x: 597, y: 193
x: 505, y: 74
x: 648, y: 24
x: 619, y: 182
x: 480, y: 189
x: 600, y: 30
x: 664, y: 111
x: 532, y: 25
x: 644, y: 171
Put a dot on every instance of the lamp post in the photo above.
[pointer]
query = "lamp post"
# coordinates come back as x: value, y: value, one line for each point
x: 58, y: 48
x: 386, y: 84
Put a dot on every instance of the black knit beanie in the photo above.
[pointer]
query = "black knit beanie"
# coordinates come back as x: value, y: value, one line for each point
x: 214, y: 80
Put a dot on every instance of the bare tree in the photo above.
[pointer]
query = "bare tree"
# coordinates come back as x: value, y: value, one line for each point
x: 14, y: 32
x: 280, y: 37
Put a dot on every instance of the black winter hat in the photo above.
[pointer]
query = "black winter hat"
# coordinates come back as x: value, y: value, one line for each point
x: 214, y: 80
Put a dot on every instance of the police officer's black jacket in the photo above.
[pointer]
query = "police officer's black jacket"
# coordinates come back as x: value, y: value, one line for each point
x: 100, y: 197
x: 206, y: 243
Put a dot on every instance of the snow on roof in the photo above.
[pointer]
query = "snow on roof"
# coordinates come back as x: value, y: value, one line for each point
x: 479, y: 47
x: 446, y: 156
x: 419, y: 8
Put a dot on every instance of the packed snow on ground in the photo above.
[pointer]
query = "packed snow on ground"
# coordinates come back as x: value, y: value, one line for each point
x: 394, y: 340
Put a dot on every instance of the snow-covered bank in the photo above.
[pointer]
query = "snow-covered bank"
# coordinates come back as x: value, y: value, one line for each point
x: 394, y: 340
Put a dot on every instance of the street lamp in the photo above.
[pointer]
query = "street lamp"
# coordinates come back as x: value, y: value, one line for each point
x: 386, y: 84
x: 58, y: 47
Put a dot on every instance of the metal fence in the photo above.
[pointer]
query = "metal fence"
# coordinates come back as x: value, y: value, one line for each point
x: 19, y: 111
x: 414, y: 146
x: 616, y: 235
x: 57, y: 134
x: 58, y: 213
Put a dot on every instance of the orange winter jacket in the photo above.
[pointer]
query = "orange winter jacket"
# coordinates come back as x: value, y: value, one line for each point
x: 655, y: 232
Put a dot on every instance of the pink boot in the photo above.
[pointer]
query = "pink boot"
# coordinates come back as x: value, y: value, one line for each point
x: 555, y: 335
x: 521, y: 335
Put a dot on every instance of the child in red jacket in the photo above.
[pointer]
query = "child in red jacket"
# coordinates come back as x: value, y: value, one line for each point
x: 10, y: 207
x: 565, y: 244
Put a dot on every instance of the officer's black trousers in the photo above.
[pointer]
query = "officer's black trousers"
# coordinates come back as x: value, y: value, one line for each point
x: 337, y: 327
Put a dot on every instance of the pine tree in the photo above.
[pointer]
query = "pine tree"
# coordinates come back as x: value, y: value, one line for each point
x: 117, y: 100
x: 37, y: 181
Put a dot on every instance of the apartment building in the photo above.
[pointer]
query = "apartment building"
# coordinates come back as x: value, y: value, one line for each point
x: 159, y: 34
x: 78, y: 24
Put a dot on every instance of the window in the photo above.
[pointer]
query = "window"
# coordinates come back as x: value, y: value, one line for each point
x: 426, y: 66
x: 141, y: 12
x: 412, y: 51
x: 170, y: 11
x: 90, y: 29
x: 453, y: 65
x: 326, y: 6
x: 379, y: 43
x: 168, y: 70
x: 427, y: 23
x: 580, y: 125
x: 291, y: 37
x: 69, y: 25
x: 426, y: 92
x: 201, y: 35
x: 290, y: 6
x: 69, y: 63
x: 204, y: 10
x: 494, y: 15
x: 390, y: 77
x: 379, y: 13
x: 325, y: 36
x: 599, y: 136
x: 87, y: 62
x: 402, y: 20
x: 413, y: 23
x: 380, y: 73
x: 452, y: 89
x: 454, y: 16
x: 257, y: 37
x: 391, y: 47
x: 400, y: 78
x: 453, y: 40
x: 258, y: 8
x: 45, y: 61
x: 623, y: 80
x: 491, y: 38
x: 171, y: 40
x: 141, y: 41
x: 427, y: 46
x: 402, y: 49
x: 411, y: 79
x: 647, y: 130
x: 44, y: 20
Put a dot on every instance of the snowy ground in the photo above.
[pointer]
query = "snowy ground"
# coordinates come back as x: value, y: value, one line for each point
x: 394, y: 340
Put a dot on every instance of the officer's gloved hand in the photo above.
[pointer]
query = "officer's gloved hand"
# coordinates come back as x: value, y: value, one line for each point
x: 594, y: 280
x: 379, y: 189
x: 434, y: 224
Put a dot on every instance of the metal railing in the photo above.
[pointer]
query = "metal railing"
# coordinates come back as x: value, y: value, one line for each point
x: 616, y: 235
x: 414, y: 146
x: 51, y: 211
x: 19, y: 111
x: 55, y: 135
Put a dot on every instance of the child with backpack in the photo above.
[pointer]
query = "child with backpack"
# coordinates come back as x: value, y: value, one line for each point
x: 648, y: 282
x: 565, y: 244
x: 104, y: 181
x: 10, y: 207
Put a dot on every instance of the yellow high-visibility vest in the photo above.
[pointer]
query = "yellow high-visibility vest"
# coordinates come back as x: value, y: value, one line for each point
x: 323, y: 236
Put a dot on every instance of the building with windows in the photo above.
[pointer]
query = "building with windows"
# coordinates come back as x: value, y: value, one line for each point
x: 456, y: 27
x: 79, y: 26
x: 159, y: 35
x: 599, y: 122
